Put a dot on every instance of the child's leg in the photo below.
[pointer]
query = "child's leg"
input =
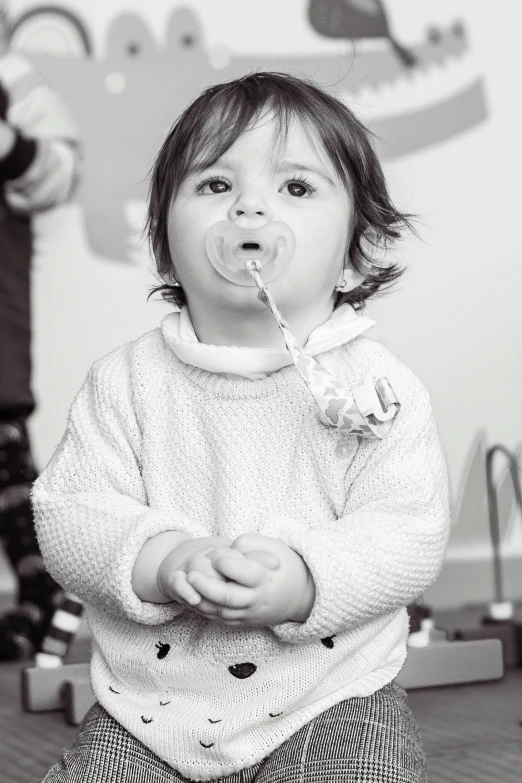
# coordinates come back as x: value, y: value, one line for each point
x: 22, y: 628
x: 105, y: 752
x: 372, y: 739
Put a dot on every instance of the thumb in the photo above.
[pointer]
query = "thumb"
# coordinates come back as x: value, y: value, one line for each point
x: 267, y: 559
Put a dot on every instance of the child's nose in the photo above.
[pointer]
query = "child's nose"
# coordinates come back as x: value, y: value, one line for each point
x: 250, y: 205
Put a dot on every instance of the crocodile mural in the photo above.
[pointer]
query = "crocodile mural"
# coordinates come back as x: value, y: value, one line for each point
x: 124, y: 102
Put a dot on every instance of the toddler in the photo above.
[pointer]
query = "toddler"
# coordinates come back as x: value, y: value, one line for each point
x: 244, y: 547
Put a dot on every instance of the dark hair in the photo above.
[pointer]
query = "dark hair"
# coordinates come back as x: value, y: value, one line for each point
x: 222, y: 113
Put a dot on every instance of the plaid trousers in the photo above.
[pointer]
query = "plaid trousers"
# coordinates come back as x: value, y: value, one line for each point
x: 374, y: 739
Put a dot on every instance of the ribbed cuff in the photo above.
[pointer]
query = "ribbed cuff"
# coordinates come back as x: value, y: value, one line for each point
x: 19, y: 159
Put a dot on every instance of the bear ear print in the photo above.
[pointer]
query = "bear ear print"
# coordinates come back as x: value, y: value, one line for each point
x: 328, y: 641
x: 242, y: 670
x: 163, y: 649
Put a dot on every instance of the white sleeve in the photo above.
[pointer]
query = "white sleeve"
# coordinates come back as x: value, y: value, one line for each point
x: 39, y: 114
x: 90, y: 503
x: 48, y: 181
x: 389, y: 544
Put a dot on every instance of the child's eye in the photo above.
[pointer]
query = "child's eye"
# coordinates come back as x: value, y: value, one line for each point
x: 213, y: 185
x: 300, y: 187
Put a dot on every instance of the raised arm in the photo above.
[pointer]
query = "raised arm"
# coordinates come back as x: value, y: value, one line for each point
x: 39, y: 167
x: 91, y: 511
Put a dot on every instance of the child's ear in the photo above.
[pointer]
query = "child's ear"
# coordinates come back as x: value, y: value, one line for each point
x: 349, y: 280
x: 166, y: 277
x: 169, y: 278
x: 372, y: 251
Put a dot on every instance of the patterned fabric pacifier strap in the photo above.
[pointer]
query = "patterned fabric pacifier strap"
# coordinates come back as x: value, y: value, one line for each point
x: 368, y: 412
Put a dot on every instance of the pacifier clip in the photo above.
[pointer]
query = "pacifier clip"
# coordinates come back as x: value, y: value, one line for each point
x: 368, y: 412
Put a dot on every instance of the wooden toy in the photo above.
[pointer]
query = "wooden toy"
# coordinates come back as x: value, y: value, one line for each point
x: 500, y: 622
x: 51, y: 685
x: 42, y: 687
x: 505, y: 632
x: 77, y: 698
x: 448, y: 663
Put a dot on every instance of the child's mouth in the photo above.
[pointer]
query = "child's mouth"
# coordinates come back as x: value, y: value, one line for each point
x: 230, y: 247
x: 248, y: 249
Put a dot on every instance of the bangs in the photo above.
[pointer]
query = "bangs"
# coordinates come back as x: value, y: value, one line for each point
x: 222, y: 114
x: 225, y: 122
x: 220, y: 132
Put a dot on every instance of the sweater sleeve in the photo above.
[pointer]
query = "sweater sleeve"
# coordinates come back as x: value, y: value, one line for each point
x: 90, y: 503
x: 42, y: 169
x: 389, y: 544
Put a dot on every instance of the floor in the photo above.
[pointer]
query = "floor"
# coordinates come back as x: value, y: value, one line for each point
x: 472, y: 733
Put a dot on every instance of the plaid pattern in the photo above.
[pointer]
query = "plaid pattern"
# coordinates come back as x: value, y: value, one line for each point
x: 374, y: 739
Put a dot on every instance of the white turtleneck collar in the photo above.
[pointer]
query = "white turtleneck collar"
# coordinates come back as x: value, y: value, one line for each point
x: 256, y: 363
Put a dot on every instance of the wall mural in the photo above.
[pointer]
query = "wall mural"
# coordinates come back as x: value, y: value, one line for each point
x: 410, y: 97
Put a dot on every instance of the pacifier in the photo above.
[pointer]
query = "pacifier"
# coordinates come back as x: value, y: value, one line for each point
x: 230, y: 247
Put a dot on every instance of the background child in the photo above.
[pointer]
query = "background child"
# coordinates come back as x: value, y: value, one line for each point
x: 39, y: 160
x: 245, y: 568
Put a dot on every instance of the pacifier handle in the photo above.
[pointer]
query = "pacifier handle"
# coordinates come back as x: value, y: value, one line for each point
x: 369, y: 412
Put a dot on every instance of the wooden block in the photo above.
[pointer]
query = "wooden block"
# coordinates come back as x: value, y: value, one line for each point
x: 77, y: 699
x: 506, y: 632
x: 449, y: 663
x: 41, y: 687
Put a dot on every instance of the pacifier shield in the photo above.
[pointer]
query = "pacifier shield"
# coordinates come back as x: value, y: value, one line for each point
x: 230, y: 246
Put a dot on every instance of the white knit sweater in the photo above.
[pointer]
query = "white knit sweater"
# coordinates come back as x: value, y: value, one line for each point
x: 156, y: 444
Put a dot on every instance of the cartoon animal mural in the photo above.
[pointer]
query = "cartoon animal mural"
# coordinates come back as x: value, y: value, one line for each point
x: 125, y: 103
x: 355, y: 19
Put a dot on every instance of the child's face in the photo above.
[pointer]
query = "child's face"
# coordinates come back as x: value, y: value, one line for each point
x: 251, y: 185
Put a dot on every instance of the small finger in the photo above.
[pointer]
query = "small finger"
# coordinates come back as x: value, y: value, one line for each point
x: 213, y: 611
x: 225, y: 550
x: 244, y: 571
x: 216, y: 555
x: 182, y: 588
x: 248, y: 542
x: 227, y: 594
x: 207, y: 608
x: 267, y: 559
x: 203, y: 565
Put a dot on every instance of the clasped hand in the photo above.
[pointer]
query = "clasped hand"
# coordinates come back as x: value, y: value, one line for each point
x: 254, y: 580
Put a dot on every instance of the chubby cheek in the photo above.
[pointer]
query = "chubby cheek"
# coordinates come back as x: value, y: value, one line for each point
x: 186, y: 244
x: 320, y: 253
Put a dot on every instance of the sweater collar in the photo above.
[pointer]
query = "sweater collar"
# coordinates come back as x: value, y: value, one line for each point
x: 256, y: 363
